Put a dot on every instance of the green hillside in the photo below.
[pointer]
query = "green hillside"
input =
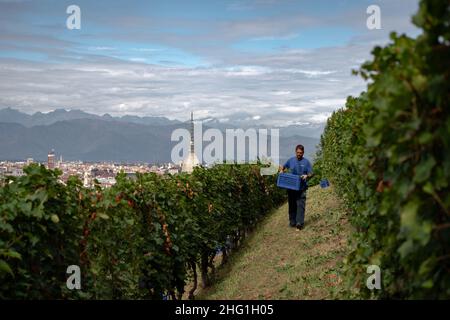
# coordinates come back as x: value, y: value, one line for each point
x: 279, y: 262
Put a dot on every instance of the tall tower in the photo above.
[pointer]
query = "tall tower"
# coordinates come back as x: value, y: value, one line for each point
x: 86, y: 179
x: 191, y: 160
x: 51, y: 159
x: 192, y: 133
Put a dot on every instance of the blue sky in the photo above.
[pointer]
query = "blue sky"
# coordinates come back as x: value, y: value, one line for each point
x: 289, y: 58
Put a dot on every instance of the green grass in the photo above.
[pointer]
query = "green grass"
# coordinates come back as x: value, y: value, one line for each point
x: 279, y: 262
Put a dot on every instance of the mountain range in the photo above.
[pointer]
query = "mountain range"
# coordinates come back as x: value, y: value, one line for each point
x: 11, y: 115
x: 78, y: 135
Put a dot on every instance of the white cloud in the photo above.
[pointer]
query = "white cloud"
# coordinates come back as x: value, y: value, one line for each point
x: 338, y: 103
x: 281, y: 86
x: 146, y: 49
x: 281, y: 93
x: 310, y: 73
x: 246, y: 71
x: 99, y: 48
x: 118, y: 87
x: 319, y: 118
x: 289, y: 36
x: 138, y: 59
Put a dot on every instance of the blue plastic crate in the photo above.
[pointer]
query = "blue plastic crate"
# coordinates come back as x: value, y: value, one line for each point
x: 288, y: 181
x: 324, y: 183
x: 165, y: 296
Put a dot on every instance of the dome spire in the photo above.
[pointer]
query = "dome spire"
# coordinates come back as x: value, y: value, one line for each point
x: 191, y: 160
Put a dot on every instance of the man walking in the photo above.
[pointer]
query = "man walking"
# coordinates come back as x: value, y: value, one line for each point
x: 297, y: 199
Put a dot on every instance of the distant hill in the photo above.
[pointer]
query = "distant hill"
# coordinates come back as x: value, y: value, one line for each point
x: 78, y: 135
x: 87, y: 140
x: 14, y: 116
x: 313, y: 130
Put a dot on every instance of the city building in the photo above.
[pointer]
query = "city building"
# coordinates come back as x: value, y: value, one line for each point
x: 104, y: 172
x: 87, y: 181
x: 191, y: 160
x: 17, y: 172
x: 51, y: 160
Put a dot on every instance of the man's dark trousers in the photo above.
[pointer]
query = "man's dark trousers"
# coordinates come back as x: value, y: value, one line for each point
x: 297, y: 201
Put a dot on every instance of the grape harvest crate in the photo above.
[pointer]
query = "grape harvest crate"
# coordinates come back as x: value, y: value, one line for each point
x: 288, y: 181
x: 324, y: 183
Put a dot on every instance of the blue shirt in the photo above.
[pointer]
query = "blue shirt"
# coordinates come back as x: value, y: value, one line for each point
x: 299, y: 167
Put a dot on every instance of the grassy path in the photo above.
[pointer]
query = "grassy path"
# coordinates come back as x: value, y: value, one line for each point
x: 279, y: 262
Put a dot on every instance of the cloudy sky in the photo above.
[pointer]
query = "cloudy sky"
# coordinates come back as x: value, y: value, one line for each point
x: 275, y: 61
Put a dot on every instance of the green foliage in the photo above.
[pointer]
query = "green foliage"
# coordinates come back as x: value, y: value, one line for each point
x: 136, y: 240
x: 388, y: 153
x: 40, y: 226
x: 317, y: 170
